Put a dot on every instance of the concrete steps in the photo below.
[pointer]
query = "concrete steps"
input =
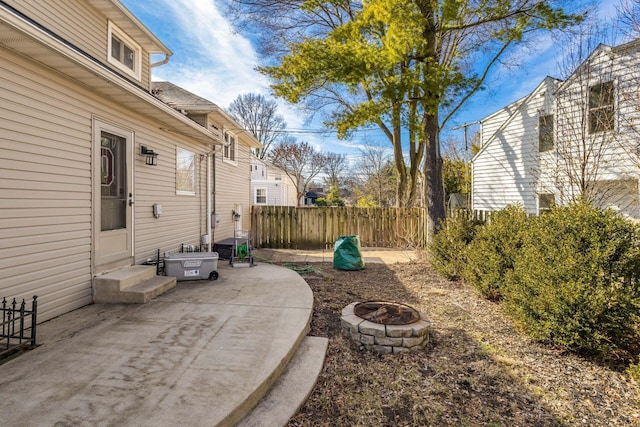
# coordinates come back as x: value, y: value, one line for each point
x: 136, y: 284
x: 291, y: 390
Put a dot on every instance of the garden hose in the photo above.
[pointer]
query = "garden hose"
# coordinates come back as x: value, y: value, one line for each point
x: 299, y: 269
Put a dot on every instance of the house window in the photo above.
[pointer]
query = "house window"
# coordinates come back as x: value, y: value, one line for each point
x: 545, y: 203
x: 261, y: 196
x: 230, y: 147
x: 185, y: 172
x: 124, y: 53
x: 545, y: 133
x: 601, y: 107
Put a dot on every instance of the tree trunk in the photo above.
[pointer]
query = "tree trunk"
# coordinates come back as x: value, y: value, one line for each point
x: 432, y: 166
x: 398, y: 155
x: 434, y: 185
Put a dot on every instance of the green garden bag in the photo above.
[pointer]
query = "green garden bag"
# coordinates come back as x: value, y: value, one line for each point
x: 346, y: 253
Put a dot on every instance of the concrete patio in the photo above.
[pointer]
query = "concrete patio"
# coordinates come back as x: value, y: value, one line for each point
x: 203, y: 354
x: 207, y: 353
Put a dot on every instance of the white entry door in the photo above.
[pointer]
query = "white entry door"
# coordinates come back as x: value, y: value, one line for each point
x: 113, y: 193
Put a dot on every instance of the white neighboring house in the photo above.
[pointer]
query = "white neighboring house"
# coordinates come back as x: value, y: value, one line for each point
x: 270, y: 185
x: 536, y: 150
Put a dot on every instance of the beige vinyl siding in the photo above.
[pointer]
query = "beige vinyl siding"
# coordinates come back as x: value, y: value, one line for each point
x: 46, y: 185
x: 183, y: 216
x: 45, y: 191
x: 233, y: 187
x: 78, y: 23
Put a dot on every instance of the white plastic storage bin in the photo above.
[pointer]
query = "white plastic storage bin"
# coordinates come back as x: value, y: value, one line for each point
x: 192, y: 265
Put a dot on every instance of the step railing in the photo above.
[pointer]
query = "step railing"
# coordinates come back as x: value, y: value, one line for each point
x: 18, y: 323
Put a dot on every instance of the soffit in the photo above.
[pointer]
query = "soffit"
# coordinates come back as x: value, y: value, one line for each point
x: 127, y: 22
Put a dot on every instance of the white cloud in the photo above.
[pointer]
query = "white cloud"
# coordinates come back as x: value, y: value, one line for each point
x: 210, y: 58
x: 218, y: 62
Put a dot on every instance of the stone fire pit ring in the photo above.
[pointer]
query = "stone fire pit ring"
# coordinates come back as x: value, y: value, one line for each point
x: 385, y: 338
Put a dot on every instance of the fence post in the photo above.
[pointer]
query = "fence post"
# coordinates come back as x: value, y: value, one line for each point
x: 34, y: 321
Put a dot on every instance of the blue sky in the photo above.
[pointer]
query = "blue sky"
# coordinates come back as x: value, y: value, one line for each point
x: 212, y: 61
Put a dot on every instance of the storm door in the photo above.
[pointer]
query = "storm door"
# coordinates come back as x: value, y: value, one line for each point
x: 114, y: 198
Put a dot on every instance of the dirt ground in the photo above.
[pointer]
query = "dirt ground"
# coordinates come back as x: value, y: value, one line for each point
x: 477, y: 369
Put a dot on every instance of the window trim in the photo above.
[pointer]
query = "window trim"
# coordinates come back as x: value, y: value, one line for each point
x: 550, y: 201
x: 183, y: 192
x: 230, y: 147
x: 600, y: 108
x: 255, y: 196
x: 136, y: 73
x: 544, y: 145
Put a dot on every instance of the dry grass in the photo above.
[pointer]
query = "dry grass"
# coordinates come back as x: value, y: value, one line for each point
x: 477, y: 370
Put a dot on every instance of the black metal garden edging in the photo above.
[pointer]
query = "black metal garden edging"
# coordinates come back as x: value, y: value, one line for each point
x: 16, y: 330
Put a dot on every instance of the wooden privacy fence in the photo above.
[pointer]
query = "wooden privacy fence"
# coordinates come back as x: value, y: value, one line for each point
x: 319, y: 227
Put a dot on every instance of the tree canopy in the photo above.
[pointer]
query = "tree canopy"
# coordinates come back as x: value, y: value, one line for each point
x: 405, y: 66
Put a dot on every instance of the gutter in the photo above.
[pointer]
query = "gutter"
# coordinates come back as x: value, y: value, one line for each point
x: 167, y: 57
x: 51, y: 41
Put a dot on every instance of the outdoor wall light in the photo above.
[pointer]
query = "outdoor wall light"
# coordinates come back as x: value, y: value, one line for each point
x: 151, y: 158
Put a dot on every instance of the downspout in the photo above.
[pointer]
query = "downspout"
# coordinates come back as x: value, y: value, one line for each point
x: 209, y: 203
x: 211, y: 195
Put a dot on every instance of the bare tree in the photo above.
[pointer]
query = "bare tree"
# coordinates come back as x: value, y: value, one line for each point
x: 334, y: 168
x: 259, y: 116
x: 300, y: 161
x: 629, y: 18
x: 375, y: 166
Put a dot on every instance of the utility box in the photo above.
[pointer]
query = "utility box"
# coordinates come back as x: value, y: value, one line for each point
x: 192, y: 265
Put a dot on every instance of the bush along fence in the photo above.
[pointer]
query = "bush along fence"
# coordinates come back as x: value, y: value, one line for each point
x: 319, y: 227
x: 569, y: 278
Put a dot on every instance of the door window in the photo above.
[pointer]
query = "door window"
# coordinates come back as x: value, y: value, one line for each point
x: 113, y: 181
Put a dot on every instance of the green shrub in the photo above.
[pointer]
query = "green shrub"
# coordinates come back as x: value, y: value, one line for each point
x: 491, y: 254
x: 447, y: 248
x: 575, y: 281
x: 633, y: 370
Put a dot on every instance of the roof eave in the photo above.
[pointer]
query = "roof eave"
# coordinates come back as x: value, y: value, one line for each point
x: 41, y: 46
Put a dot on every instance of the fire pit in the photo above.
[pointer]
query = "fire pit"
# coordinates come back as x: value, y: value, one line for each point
x: 385, y: 327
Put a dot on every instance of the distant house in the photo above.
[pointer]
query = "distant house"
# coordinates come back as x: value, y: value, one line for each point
x: 97, y: 173
x: 457, y: 201
x: 311, y: 197
x: 537, y: 150
x: 270, y: 185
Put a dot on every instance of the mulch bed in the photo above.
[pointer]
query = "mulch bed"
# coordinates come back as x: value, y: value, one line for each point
x: 477, y: 369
